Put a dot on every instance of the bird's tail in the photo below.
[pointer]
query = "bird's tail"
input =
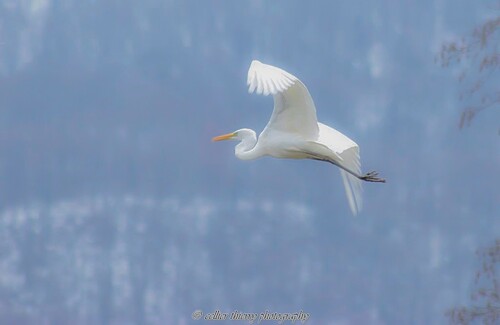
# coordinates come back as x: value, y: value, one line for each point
x: 354, y: 191
x: 352, y: 184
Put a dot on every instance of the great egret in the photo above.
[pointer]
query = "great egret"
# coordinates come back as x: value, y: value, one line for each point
x: 294, y: 131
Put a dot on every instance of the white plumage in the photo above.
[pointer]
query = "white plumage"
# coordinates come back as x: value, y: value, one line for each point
x: 294, y: 132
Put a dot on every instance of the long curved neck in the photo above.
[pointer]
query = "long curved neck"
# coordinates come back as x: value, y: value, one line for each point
x: 247, y: 148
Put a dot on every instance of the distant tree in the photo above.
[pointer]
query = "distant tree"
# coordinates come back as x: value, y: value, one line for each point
x: 485, y: 304
x: 478, y: 56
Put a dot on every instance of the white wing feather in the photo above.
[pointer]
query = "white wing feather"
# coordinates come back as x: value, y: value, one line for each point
x: 352, y: 184
x: 266, y: 79
x: 294, y: 111
x: 348, y: 150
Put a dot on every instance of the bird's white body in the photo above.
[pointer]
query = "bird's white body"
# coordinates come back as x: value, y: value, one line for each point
x: 294, y: 132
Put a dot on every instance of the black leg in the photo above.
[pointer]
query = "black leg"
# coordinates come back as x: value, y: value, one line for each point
x: 368, y: 177
x: 372, y: 177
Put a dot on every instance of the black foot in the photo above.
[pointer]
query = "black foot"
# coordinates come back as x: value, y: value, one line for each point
x: 372, y: 177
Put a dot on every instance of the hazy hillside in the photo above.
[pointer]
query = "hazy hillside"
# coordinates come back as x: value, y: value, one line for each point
x: 115, y: 206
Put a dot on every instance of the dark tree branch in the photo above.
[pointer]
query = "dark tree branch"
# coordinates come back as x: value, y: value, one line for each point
x: 485, y: 305
x: 479, y: 56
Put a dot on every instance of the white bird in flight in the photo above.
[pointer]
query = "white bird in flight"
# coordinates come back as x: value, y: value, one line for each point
x: 294, y: 131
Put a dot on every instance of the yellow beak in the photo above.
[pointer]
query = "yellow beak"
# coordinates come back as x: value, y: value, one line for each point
x: 228, y: 136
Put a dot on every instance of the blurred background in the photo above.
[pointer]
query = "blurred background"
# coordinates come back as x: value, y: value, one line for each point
x: 116, y: 207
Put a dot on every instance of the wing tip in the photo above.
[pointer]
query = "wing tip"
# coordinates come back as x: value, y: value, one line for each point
x: 264, y: 79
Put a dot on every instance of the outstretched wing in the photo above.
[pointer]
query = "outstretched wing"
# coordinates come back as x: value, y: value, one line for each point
x: 294, y: 110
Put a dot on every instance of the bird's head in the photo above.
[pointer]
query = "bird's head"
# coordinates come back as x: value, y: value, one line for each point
x: 241, y: 134
x: 248, y: 140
